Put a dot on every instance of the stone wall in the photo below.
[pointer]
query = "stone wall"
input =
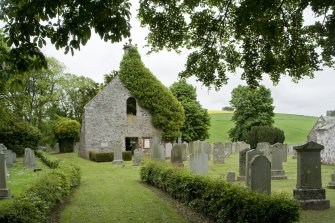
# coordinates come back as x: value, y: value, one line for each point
x: 327, y: 139
x: 106, y: 123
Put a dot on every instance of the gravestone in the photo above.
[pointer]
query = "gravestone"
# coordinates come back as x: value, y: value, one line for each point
x: 29, y: 158
x: 199, y: 163
x: 309, y: 189
x: 277, y: 171
x: 184, y: 150
x: 56, y: 148
x: 138, y: 157
x: 3, y: 149
x: 168, y: 148
x: 231, y: 176
x: 196, y: 147
x: 331, y: 184
x: 233, y: 147
x: 242, y: 145
x: 285, y: 152
x: 117, y: 151
x: 218, y: 153
x: 177, y: 155
x: 242, y: 163
x: 260, y: 174
x: 249, y: 156
x: 4, y: 191
x: 265, y: 148
x: 9, y: 158
x: 228, y: 149
x: 207, y: 148
x: 156, y: 150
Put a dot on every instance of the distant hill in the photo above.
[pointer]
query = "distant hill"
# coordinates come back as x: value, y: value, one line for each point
x: 296, y: 127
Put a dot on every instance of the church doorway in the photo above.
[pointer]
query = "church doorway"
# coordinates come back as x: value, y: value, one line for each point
x: 131, y: 143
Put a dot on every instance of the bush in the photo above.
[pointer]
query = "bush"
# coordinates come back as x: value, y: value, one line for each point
x: 109, y: 156
x: 50, y: 161
x: 17, y: 135
x: 50, y: 189
x: 268, y: 134
x: 67, y: 132
x: 220, y: 201
x: 126, y: 155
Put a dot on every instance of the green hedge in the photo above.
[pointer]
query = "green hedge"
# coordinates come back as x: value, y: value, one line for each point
x: 50, y: 161
x: 36, y: 204
x: 108, y: 156
x: 268, y: 134
x: 220, y: 201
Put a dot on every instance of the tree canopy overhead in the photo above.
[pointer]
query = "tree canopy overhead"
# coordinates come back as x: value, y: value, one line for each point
x: 261, y: 37
x: 66, y: 23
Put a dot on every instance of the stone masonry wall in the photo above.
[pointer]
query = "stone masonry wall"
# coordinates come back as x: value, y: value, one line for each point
x: 327, y: 139
x: 105, y: 120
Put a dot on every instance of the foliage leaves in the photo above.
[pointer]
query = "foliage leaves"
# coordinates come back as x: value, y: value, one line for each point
x: 219, y: 200
x: 67, y: 129
x: 261, y: 37
x: 68, y: 24
x: 252, y: 107
x: 197, y: 120
x: 167, y: 112
x: 268, y: 134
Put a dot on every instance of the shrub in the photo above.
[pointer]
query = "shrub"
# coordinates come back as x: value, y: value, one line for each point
x: 126, y: 155
x: 109, y: 156
x: 50, y: 161
x: 35, y: 204
x: 67, y: 132
x: 167, y: 113
x: 101, y: 156
x: 17, y: 135
x: 268, y: 134
x: 220, y: 201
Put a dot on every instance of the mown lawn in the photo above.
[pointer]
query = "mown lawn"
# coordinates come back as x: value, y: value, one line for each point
x: 296, y: 127
x: 112, y: 193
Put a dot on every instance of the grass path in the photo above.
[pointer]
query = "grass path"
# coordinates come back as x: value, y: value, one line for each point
x: 112, y: 193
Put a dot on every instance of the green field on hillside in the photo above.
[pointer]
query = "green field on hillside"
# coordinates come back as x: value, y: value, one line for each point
x: 296, y: 127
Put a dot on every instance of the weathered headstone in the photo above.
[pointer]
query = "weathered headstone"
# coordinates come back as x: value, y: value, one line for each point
x: 4, y: 191
x: 3, y: 149
x: 285, y: 152
x: 168, y: 148
x: 233, y: 147
x: 309, y: 189
x: 331, y: 184
x: 218, y: 153
x: 196, y: 147
x: 228, y: 149
x: 177, y: 155
x: 156, y: 150
x: 56, y: 148
x: 242, y: 163
x: 207, y: 148
x: 260, y: 174
x: 184, y: 150
x: 138, y: 157
x: 231, y: 176
x: 29, y: 158
x: 199, y: 163
x: 265, y: 148
x: 9, y: 158
x: 277, y: 171
x: 249, y: 156
x: 242, y: 145
x: 117, y: 151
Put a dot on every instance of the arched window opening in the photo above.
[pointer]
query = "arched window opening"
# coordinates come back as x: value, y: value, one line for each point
x: 131, y: 106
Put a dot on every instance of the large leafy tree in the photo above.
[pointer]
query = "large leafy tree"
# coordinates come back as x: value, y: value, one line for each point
x: 197, y: 120
x: 252, y: 107
x: 261, y: 37
x: 68, y: 24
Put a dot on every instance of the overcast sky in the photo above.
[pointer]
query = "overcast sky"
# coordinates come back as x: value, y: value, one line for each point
x: 308, y: 97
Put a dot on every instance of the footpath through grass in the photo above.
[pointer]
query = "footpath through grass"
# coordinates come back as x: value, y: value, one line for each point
x: 112, y: 193
x: 296, y: 127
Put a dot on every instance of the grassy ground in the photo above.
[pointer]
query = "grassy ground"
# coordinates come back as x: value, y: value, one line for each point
x: 112, y: 193
x: 296, y: 127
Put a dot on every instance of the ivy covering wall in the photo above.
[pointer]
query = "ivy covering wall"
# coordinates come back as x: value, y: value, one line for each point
x: 167, y: 113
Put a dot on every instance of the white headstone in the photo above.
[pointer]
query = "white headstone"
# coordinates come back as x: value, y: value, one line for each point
x: 199, y: 163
